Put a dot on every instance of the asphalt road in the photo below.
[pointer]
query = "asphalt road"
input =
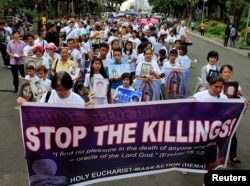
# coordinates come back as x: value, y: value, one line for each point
x: 12, y: 158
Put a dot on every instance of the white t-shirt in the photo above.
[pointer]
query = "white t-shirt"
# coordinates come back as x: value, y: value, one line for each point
x: 128, y: 58
x: 86, y: 46
x: 205, y: 95
x: 135, y: 42
x: 78, y: 31
x: 88, y: 83
x: 154, y: 66
x: 27, y: 50
x: 167, y: 65
x: 184, y: 61
x: 31, y: 78
x: 74, y: 55
x: 42, y: 43
x: 72, y: 99
x: 69, y: 33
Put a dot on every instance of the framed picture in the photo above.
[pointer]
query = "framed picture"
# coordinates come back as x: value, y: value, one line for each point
x: 127, y: 96
x: 114, y: 71
x: 145, y: 68
x: 73, y: 71
x: 24, y: 89
x: 231, y: 89
x: 100, y: 87
x: 212, y: 73
x: 176, y: 83
x: 150, y: 89
x: 38, y: 88
x: 36, y: 62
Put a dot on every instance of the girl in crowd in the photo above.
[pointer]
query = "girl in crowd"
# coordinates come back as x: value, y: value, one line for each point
x: 61, y: 93
x: 96, y: 72
x: 129, y: 55
x: 183, y: 59
x: 114, y: 44
x: 126, y: 83
x: 212, y: 58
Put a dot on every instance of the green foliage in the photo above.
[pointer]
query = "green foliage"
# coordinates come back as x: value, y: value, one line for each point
x: 214, y: 29
x: 32, y: 15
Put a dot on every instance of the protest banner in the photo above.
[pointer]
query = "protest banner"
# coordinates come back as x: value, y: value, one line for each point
x: 127, y: 96
x: 73, y: 145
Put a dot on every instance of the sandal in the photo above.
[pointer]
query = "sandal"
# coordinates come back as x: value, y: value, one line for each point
x: 235, y: 160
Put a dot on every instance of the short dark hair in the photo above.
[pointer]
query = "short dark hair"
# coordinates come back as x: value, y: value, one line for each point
x: 226, y: 66
x: 70, y: 39
x: 41, y: 68
x: 37, y: 82
x: 127, y: 75
x: 162, y: 52
x: 117, y: 50
x: 62, y: 78
x: 214, y: 79
x: 177, y: 41
x: 184, y: 49
x: 104, y: 45
x: 212, y: 54
x: 173, y: 51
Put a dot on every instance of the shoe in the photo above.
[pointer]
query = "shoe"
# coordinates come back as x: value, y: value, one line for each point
x: 184, y: 173
x: 235, y: 160
x: 4, y: 66
x: 9, y: 67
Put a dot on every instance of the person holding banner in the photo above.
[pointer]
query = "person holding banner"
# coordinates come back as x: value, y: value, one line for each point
x: 226, y: 73
x: 62, y: 84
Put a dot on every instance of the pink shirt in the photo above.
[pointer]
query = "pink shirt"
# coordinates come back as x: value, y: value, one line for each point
x: 16, y: 48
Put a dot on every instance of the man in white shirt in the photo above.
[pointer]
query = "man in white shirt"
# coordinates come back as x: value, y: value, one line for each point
x: 135, y: 41
x: 68, y: 32
x: 182, y: 29
x: 40, y: 40
x: 80, y: 29
x: 28, y: 49
x: 74, y: 54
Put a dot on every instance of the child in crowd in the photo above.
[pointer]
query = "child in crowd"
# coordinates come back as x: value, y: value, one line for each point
x: 126, y: 83
x: 183, y: 59
x: 31, y: 72
x: 162, y: 58
x: 114, y: 44
x: 212, y: 58
x: 171, y: 63
x: 129, y: 55
x: 96, y: 72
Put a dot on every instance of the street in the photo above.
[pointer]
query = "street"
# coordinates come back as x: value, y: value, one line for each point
x: 13, y: 170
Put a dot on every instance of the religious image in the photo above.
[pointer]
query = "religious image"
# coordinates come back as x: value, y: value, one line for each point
x: 150, y: 89
x: 175, y: 83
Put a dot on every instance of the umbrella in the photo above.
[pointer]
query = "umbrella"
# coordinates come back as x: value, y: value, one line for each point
x: 119, y: 15
x: 152, y: 20
x: 132, y: 13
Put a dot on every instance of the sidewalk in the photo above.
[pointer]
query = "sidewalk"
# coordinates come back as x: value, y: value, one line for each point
x: 219, y: 42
